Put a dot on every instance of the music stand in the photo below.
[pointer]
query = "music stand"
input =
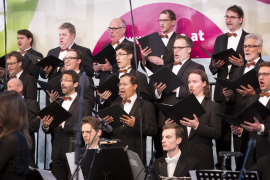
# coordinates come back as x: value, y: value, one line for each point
x: 217, y: 175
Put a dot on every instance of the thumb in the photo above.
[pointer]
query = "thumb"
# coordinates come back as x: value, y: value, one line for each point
x: 106, y: 60
x: 256, y: 120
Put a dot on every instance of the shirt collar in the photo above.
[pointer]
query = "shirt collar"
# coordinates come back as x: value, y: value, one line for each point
x: 77, y: 71
x: 126, y: 68
x: 176, y: 156
x: 74, y: 95
x: 71, y: 45
x: 24, y: 50
x: 183, y: 62
x: 169, y: 34
x: 133, y: 98
x: 256, y: 60
x: 238, y: 32
x: 122, y: 39
x: 200, y: 99
x: 19, y: 74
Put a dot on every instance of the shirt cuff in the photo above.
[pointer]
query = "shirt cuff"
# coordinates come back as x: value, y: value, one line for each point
x: 177, y: 91
x: 156, y: 95
x: 239, y: 135
x: 197, y: 127
x: 261, y: 132
x: 63, y: 125
x: 101, y: 101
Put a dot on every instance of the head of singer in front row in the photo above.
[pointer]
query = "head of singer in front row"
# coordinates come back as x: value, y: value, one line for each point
x: 89, y: 128
x: 14, y: 137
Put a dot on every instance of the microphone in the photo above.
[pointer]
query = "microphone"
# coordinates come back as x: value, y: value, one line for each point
x: 229, y: 153
x: 106, y: 127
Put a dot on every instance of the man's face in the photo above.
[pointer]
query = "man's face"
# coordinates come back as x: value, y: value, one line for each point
x: 88, y: 133
x: 169, y: 140
x: 117, y: 34
x: 12, y: 85
x: 14, y: 67
x: 251, y: 53
x: 167, y: 25
x: 65, y: 38
x: 264, y: 81
x: 126, y: 89
x: 233, y: 25
x: 195, y: 84
x: 123, y: 59
x: 183, y: 52
x: 70, y: 63
x: 67, y: 85
x: 23, y: 42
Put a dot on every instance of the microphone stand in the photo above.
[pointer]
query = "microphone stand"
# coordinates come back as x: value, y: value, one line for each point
x: 149, y: 169
x: 5, y: 26
x: 138, y: 88
x: 251, y: 144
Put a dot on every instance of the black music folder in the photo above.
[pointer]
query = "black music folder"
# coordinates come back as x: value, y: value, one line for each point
x: 58, y: 113
x: 224, y: 55
x: 154, y: 42
x: 107, y: 52
x: 53, y: 84
x: 3, y: 62
x: 116, y: 112
x: 110, y: 84
x: 47, y: 61
x: 165, y: 76
x: 184, y: 108
x: 256, y: 109
x: 248, y: 78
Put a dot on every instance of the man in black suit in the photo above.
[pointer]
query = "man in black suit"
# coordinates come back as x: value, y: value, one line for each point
x: 67, y: 33
x: 252, y: 48
x: 14, y: 65
x: 176, y: 163
x: 61, y: 135
x: 166, y: 21
x: 234, y: 39
x: 117, y: 29
x: 33, y: 108
x: 258, y: 130
x: 25, y: 42
x: 129, y: 132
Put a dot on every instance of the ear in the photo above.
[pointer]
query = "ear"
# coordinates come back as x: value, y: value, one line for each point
x: 72, y: 36
x: 204, y: 83
x: 130, y: 56
x: 260, y: 49
x: 30, y: 40
x: 20, y: 64
x: 99, y: 133
x: 124, y: 30
x: 79, y: 61
x: 20, y: 87
x: 179, y: 140
x: 173, y: 22
x: 189, y: 50
x: 135, y: 87
x: 76, y: 84
x: 241, y: 20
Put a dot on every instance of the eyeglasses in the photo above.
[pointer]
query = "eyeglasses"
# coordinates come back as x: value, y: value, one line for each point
x: 119, y: 55
x: 250, y: 46
x: 163, y: 20
x: 230, y: 17
x: 114, y: 29
x: 263, y: 74
x: 178, y: 48
x: 11, y: 64
x: 66, y: 80
x: 69, y: 58
x: 122, y: 84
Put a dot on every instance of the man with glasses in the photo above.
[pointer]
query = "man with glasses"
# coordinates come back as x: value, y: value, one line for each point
x: 14, y: 65
x: 259, y: 131
x: 167, y: 20
x: 234, y: 39
x: 117, y: 30
x: 252, y: 49
x: 61, y: 135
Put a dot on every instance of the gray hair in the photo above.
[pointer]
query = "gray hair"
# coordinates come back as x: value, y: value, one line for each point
x: 255, y: 36
x: 123, y: 22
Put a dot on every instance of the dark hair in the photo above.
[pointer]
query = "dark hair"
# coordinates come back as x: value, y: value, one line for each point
x: 171, y: 14
x: 204, y: 78
x: 78, y: 53
x: 186, y: 38
x: 238, y: 10
x: 13, y: 115
x: 179, y: 132
x: 91, y: 120
x: 27, y: 33
x: 126, y: 47
x: 75, y: 76
x: 69, y: 26
x: 17, y: 55
x: 264, y: 64
x: 133, y: 78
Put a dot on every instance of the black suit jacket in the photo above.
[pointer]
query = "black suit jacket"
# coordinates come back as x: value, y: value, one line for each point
x: 29, y: 86
x: 86, y: 64
x: 184, y: 91
x: 103, y: 74
x: 184, y: 165
x: 34, y: 124
x: 199, y: 142
x: 131, y: 136
x: 221, y: 45
x: 262, y: 142
x: 28, y: 66
x: 61, y: 137
x: 262, y: 167
x: 167, y: 57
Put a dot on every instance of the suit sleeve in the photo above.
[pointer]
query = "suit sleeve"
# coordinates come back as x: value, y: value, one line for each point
x: 215, y: 51
x: 31, y: 88
x: 33, y: 69
x: 144, y: 88
x: 34, y: 122
x: 87, y: 62
x: 258, y: 167
x: 213, y: 130
x: 89, y: 94
x: 156, y: 171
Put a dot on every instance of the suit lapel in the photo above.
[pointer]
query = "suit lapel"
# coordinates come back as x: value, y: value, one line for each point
x: 181, y: 164
x: 74, y: 104
x: 163, y: 168
x: 257, y: 66
x: 225, y: 42
x: 134, y: 107
x: 183, y: 68
x: 239, y: 48
x: 22, y: 76
x: 170, y: 44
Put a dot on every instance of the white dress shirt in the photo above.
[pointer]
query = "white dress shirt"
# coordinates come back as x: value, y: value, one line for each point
x: 122, y: 73
x: 24, y: 50
x: 128, y: 106
x: 18, y: 75
x: 120, y: 41
x: 233, y: 43
x: 166, y: 40
x: 175, y: 70
x: 171, y: 163
x: 247, y: 69
x: 66, y: 104
x: 264, y: 100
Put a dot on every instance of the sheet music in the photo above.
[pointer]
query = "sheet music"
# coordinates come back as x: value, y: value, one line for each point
x: 46, y: 174
x: 72, y: 165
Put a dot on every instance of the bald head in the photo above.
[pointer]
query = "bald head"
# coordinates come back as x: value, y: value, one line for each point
x: 15, y: 84
x: 117, y: 29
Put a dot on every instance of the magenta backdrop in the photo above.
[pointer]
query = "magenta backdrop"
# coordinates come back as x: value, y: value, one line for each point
x: 188, y: 21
